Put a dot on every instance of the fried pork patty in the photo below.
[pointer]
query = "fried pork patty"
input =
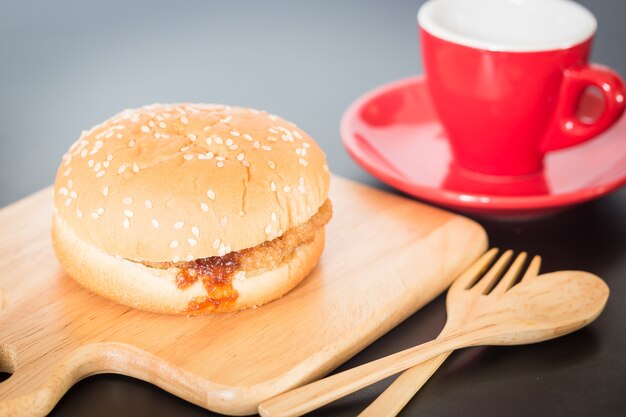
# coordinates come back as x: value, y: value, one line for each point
x: 267, y: 255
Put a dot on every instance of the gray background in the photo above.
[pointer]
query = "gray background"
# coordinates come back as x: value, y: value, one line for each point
x: 66, y: 65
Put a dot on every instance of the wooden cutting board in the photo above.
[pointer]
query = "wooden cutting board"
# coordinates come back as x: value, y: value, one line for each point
x: 385, y: 257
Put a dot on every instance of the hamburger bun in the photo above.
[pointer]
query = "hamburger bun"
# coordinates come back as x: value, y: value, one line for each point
x: 158, y: 190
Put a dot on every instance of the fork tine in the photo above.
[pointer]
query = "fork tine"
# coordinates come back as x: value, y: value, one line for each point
x: 470, y: 275
x: 533, y: 269
x: 510, y: 276
x: 486, y: 282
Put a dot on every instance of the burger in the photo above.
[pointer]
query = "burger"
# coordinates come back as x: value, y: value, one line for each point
x: 191, y: 208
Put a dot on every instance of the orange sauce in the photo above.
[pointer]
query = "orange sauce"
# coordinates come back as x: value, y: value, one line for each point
x: 216, y: 274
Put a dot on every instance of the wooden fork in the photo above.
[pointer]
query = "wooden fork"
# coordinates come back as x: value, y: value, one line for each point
x: 398, y: 394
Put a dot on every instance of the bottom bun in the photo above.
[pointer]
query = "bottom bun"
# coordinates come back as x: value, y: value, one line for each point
x: 153, y: 289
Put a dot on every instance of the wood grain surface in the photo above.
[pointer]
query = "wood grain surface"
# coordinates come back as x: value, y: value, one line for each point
x: 385, y: 257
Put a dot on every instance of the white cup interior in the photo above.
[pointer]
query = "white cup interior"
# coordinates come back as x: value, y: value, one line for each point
x: 508, y: 25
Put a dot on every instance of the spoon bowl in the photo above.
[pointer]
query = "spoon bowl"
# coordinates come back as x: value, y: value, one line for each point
x: 549, y: 306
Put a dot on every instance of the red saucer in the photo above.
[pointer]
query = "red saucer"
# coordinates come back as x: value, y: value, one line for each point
x: 394, y: 133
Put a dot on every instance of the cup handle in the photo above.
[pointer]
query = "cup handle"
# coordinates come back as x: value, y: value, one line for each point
x: 569, y: 130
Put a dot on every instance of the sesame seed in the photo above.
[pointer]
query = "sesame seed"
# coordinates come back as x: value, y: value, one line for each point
x: 190, y: 258
x: 216, y: 243
x: 242, y: 213
x: 128, y: 213
x: 273, y: 186
x: 73, y: 194
x: 229, y: 142
x: 210, y: 194
x: 121, y: 169
x: 174, y: 244
x: 79, y: 213
x: 100, y: 211
x: 179, y: 225
x: 256, y: 144
x: 220, y: 164
x: 220, y: 158
x: 241, y: 156
x: 95, y: 216
x: 100, y: 174
x: 131, y: 143
x: 157, y: 135
x: 297, y: 134
x: 272, y: 117
x: 224, y: 221
x: 247, y: 136
x: 192, y: 137
x: 298, y: 151
x: 204, y: 206
x: 271, y: 164
x: 176, y: 259
x: 325, y: 167
x: 127, y: 200
x: 301, y: 180
x: 268, y: 229
x: 67, y: 172
x: 245, y: 163
x: 286, y: 188
x: 272, y: 130
x: 148, y: 204
x: 273, y: 216
x: 105, y: 164
x: 303, y: 162
x: 108, y: 135
x: 234, y: 133
x: 126, y: 223
x: 135, y: 168
x: 184, y: 149
x: 162, y: 125
x: 97, y: 167
x: 222, y: 250
x: 218, y: 140
x: 90, y: 163
x: 184, y: 120
x: 155, y: 223
x: 226, y: 119
x: 266, y: 148
x: 63, y: 191
x: 119, y: 135
x: 195, y: 231
x: 192, y: 242
x: 306, y: 145
x: 145, y: 129
x: 188, y: 157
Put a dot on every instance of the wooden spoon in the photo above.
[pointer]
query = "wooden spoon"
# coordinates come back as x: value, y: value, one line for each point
x: 534, y: 310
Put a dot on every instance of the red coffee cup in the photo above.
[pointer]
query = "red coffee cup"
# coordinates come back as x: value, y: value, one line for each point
x: 506, y: 76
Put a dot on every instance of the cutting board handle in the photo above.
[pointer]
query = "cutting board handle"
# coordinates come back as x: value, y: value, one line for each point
x: 36, y: 386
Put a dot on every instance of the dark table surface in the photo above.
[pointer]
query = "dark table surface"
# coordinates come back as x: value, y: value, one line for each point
x: 66, y: 65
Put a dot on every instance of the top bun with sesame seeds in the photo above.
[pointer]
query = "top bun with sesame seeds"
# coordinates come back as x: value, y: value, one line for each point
x: 165, y: 185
